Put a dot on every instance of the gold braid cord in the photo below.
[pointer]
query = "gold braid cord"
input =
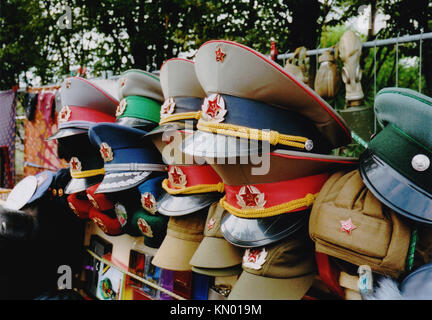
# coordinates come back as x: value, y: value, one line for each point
x: 181, y: 116
x: 273, y: 137
x: 202, y: 188
x: 286, y: 207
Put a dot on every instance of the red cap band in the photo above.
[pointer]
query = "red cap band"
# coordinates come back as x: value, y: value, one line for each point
x: 267, y: 195
x: 189, y: 176
x: 81, y: 207
x: 110, y: 226
x: 75, y: 113
x: 99, y: 200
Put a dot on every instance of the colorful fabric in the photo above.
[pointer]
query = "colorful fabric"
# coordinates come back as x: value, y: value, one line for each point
x: 46, y: 106
x: 40, y: 155
x: 7, y: 132
x: 5, y: 165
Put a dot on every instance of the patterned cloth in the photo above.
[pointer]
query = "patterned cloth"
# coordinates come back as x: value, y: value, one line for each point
x: 7, y: 133
x: 40, y: 155
x: 46, y: 106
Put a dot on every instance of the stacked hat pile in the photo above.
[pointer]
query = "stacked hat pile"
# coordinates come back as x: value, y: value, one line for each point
x: 133, y: 168
x: 266, y: 135
x: 192, y: 187
x: 379, y: 216
x: 83, y: 104
x: 237, y: 181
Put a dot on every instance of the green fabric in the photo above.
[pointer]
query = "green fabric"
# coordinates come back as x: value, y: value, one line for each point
x: 142, y: 108
x: 158, y: 224
x: 397, y: 149
x: 411, y: 252
x: 408, y: 110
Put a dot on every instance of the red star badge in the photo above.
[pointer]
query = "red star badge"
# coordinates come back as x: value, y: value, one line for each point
x: 213, y: 108
x: 75, y: 164
x: 250, y: 197
x: 177, y: 177
x: 145, y: 228
x: 106, y: 152
x: 347, y: 226
x: 220, y: 55
x: 253, y: 254
x: 148, y: 202
x: 64, y: 114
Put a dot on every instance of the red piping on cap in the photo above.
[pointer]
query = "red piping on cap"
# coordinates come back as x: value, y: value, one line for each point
x: 87, y: 114
x: 182, y: 59
x: 99, y: 89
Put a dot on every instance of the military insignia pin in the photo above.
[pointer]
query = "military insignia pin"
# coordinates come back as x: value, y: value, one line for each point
x: 220, y: 55
x: 213, y: 108
x: 168, y: 107
x: 121, y: 108
x: 106, y: 152
x: 254, y: 258
x: 145, y: 228
x: 100, y: 224
x: 64, y: 114
x: 249, y: 197
x: 347, y: 226
x: 121, y: 213
x: 176, y: 177
x: 93, y: 201
x: 75, y: 165
x: 148, y: 202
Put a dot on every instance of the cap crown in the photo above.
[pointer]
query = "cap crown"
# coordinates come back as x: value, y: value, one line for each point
x: 291, y: 257
x: 178, y: 79
x: 189, y: 227
x: 137, y: 82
